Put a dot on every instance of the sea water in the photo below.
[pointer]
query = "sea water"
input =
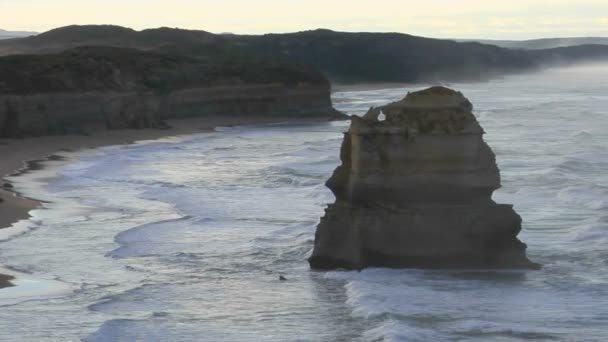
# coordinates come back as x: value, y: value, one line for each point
x: 184, y: 239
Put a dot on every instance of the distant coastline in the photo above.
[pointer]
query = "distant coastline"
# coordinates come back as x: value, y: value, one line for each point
x: 4, y: 34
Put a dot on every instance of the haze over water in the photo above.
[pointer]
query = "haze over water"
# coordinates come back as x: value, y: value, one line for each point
x: 184, y: 239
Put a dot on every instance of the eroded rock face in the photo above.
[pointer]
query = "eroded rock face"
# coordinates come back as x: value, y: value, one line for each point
x: 83, y: 90
x: 85, y: 112
x: 414, y: 190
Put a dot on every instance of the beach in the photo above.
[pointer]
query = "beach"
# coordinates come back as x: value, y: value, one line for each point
x: 20, y: 155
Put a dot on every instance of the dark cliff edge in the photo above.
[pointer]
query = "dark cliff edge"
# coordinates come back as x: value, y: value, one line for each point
x: 89, y: 88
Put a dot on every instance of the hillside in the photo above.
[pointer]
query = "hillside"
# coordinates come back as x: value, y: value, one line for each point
x: 341, y: 56
x: 63, y: 38
x: 389, y: 57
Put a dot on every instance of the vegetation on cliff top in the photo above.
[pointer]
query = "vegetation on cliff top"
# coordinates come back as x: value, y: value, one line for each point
x: 341, y: 56
x: 119, y: 69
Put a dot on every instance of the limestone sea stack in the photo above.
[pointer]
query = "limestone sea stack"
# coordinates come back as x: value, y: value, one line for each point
x: 415, y: 190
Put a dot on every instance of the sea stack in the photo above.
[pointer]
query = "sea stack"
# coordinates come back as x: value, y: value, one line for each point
x: 415, y: 190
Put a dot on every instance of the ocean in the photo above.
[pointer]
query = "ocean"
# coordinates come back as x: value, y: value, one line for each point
x: 184, y: 238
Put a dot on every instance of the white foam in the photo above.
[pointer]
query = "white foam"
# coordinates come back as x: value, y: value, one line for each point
x: 28, y: 288
x: 597, y: 232
x: 592, y: 197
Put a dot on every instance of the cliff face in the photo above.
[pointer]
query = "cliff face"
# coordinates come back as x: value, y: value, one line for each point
x: 91, y: 88
x: 77, y: 113
x: 414, y: 190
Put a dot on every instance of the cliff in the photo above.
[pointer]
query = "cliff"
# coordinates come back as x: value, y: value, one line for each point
x: 86, y: 89
x: 414, y: 190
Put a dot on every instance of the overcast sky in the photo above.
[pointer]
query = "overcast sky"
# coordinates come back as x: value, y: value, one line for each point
x: 498, y: 19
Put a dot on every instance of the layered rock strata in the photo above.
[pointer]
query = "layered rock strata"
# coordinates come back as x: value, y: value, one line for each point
x: 85, y: 89
x: 414, y: 190
x: 84, y: 112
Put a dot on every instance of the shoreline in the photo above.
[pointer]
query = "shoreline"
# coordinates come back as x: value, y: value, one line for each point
x: 25, y: 155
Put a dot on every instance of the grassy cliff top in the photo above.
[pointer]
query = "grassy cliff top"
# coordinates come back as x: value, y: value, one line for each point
x: 120, y: 69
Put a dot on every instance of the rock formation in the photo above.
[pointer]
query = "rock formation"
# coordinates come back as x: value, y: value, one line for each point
x: 414, y: 190
x: 87, y: 89
x: 84, y: 112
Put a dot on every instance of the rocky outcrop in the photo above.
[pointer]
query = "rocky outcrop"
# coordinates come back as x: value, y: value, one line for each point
x: 62, y: 113
x: 414, y: 190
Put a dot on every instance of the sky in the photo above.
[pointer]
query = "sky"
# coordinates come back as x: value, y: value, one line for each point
x: 488, y: 19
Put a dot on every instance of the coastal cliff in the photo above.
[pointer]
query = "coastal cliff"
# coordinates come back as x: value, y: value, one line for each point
x: 414, y: 190
x: 88, y: 89
x: 78, y: 113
